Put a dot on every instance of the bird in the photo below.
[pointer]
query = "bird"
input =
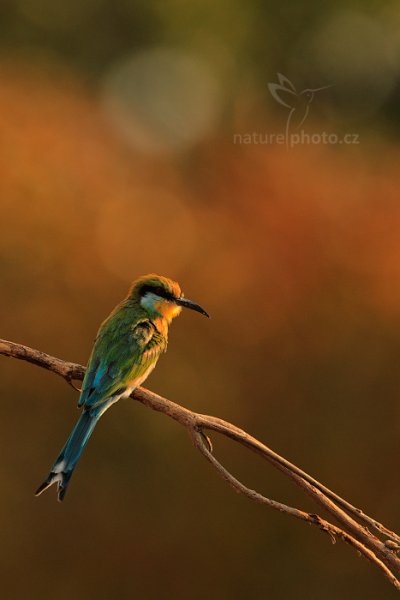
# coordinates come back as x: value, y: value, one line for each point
x: 126, y: 350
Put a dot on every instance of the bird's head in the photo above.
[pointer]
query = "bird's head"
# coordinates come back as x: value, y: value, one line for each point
x: 161, y: 297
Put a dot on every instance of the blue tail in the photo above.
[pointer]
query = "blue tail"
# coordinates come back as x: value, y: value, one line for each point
x: 65, y: 464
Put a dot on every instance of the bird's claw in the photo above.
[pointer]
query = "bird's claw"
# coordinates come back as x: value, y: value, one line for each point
x: 69, y: 381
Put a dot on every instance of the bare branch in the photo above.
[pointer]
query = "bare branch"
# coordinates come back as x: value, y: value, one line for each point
x: 381, y: 553
x: 67, y: 370
x: 312, y: 519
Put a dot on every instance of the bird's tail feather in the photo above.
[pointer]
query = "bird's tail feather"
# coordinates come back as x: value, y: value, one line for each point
x: 65, y: 464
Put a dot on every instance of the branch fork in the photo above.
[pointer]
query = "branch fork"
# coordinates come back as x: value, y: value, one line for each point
x: 366, y: 535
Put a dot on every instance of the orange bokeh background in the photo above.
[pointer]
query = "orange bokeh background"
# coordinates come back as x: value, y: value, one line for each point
x: 295, y: 254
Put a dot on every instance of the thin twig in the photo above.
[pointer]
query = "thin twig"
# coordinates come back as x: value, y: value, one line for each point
x: 310, y: 518
x: 221, y: 426
x: 383, y: 555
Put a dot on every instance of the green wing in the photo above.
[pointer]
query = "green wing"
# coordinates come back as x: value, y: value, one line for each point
x: 122, y: 355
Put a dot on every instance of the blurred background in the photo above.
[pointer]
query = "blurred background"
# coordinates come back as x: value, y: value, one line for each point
x: 127, y: 146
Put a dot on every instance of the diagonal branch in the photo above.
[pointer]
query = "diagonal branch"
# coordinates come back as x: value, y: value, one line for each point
x: 310, y: 518
x: 381, y: 553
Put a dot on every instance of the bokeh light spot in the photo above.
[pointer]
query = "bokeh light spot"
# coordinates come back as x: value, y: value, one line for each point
x: 161, y: 100
x: 355, y: 54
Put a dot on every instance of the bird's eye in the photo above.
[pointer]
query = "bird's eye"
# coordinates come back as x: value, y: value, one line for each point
x: 160, y: 291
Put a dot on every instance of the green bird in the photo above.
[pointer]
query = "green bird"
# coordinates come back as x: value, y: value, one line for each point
x: 126, y: 350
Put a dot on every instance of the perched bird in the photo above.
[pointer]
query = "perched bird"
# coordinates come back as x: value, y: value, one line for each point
x: 126, y: 350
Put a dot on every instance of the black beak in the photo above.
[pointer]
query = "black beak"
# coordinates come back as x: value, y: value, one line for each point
x: 192, y: 305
